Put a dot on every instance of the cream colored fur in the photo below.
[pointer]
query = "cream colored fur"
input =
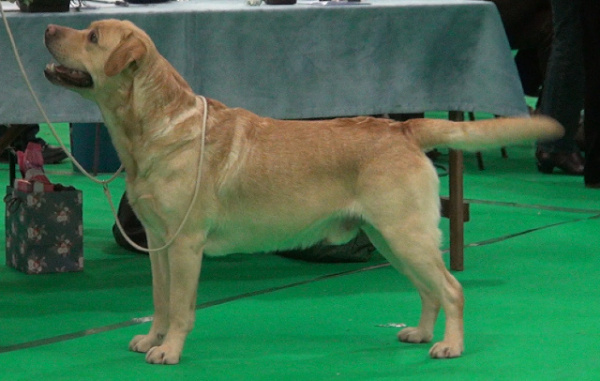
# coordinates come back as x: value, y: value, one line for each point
x: 268, y: 184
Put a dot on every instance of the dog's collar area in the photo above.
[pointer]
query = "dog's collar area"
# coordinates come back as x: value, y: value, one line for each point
x: 64, y: 76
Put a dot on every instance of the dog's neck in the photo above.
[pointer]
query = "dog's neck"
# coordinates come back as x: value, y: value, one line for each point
x: 138, y: 122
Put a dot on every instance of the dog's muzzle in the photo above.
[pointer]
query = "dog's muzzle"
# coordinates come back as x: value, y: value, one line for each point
x: 62, y: 75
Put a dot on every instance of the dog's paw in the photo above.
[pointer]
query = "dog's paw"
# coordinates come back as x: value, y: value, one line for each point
x: 143, y: 343
x: 414, y: 335
x: 163, y: 355
x: 446, y: 350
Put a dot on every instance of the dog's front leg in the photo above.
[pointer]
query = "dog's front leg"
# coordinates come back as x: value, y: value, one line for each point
x: 160, y: 294
x: 184, y: 262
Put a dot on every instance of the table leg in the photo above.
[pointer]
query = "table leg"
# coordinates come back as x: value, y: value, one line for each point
x: 456, y: 204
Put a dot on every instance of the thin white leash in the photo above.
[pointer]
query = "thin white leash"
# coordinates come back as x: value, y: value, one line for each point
x: 105, y: 183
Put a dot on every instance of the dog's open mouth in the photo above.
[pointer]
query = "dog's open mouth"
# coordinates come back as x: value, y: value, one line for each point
x: 64, y: 76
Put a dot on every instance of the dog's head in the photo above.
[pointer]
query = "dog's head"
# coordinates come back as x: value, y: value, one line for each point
x: 93, y: 58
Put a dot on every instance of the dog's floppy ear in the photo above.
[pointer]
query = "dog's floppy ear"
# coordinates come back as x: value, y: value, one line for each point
x: 131, y: 49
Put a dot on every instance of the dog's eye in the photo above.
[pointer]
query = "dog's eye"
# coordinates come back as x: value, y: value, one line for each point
x: 93, y: 37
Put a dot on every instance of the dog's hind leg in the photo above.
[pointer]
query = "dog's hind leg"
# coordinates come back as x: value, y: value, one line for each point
x: 160, y: 290
x: 414, y: 252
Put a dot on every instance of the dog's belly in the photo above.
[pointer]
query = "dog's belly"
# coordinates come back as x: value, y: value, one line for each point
x: 256, y: 238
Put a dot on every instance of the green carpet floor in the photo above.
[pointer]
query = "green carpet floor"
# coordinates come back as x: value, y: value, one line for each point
x: 531, y: 284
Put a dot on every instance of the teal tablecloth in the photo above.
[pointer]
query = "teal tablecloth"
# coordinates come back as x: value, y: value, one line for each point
x: 299, y: 61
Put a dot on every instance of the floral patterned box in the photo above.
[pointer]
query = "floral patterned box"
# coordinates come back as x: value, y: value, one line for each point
x: 44, y: 231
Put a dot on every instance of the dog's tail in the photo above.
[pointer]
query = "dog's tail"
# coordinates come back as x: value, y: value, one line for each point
x: 481, y: 134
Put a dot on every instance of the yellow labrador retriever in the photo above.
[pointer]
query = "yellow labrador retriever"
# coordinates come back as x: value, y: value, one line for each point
x: 266, y: 184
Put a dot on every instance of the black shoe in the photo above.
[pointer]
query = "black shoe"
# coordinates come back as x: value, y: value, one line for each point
x: 52, y: 154
x: 592, y: 185
x: 571, y: 163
